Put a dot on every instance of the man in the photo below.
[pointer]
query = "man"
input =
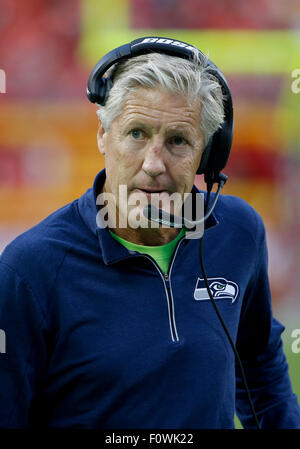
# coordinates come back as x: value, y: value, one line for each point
x: 110, y: 326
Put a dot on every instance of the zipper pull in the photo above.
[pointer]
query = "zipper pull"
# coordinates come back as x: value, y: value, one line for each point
x: 166, y: 276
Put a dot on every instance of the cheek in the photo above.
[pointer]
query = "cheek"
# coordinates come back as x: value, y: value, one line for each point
x: 184, y: 173
x: 121, y: 163
x: 123, y: 155
x: 113, y: 159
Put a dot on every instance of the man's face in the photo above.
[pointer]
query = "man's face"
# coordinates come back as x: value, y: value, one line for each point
x: 154, y: 145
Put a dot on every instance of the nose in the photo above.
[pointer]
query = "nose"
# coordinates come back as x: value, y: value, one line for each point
x: 153, y: 163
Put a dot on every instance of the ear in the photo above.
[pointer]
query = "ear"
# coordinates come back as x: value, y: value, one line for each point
x: 101, y: 139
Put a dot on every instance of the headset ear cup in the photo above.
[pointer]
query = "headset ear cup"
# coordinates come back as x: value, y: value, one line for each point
x: 101, y: 92
x: 104, y: 89
x: 92, y: 96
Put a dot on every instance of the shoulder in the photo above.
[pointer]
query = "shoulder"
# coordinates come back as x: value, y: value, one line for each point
x: 37, y: 254
x: 236, y: 213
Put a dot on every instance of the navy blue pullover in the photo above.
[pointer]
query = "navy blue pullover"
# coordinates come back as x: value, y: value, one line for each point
x: 98, y: 337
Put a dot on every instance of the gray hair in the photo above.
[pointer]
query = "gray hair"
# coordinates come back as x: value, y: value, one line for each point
x: 174, y: 74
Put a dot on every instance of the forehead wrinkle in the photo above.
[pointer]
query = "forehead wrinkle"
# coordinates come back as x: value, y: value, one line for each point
x: 146, y: 110
x: 187, y: 120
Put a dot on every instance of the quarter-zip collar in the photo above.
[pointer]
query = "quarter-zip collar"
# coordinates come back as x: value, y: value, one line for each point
x: 111, y: 250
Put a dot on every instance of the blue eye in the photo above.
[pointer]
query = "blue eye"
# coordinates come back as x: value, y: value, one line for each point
x: 178, y: 141
x: 137, y: 134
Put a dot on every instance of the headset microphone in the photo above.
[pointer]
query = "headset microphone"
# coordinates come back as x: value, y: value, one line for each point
x: 162, y: 217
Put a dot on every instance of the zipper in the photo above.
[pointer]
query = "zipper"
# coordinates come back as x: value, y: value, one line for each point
x: 166, y: 278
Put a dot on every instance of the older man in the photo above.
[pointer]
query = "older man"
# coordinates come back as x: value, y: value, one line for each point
x: 112, y: 326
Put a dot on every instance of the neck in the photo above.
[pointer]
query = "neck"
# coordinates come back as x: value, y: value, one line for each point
x: 148, y: 236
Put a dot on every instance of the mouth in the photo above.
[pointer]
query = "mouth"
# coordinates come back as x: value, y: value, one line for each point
x: 150, y: 191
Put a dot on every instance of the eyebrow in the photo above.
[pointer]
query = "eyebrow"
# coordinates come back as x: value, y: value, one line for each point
x: 132, y: 123
x: 183, y: 131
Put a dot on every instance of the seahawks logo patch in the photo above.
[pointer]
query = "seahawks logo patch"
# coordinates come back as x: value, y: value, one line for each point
x: 220, y: 289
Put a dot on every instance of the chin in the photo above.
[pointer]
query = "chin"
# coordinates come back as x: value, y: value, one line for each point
x: 136, y: 218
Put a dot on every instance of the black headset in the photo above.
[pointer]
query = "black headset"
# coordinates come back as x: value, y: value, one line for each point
x: 216, y: 152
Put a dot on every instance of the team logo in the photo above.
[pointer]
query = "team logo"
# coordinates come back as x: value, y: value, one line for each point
x: 220, y: 289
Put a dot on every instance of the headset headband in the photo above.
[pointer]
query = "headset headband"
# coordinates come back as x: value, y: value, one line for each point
x: 216, y: 152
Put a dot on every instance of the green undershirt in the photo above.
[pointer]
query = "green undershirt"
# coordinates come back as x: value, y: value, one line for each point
x: 162, y: 254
